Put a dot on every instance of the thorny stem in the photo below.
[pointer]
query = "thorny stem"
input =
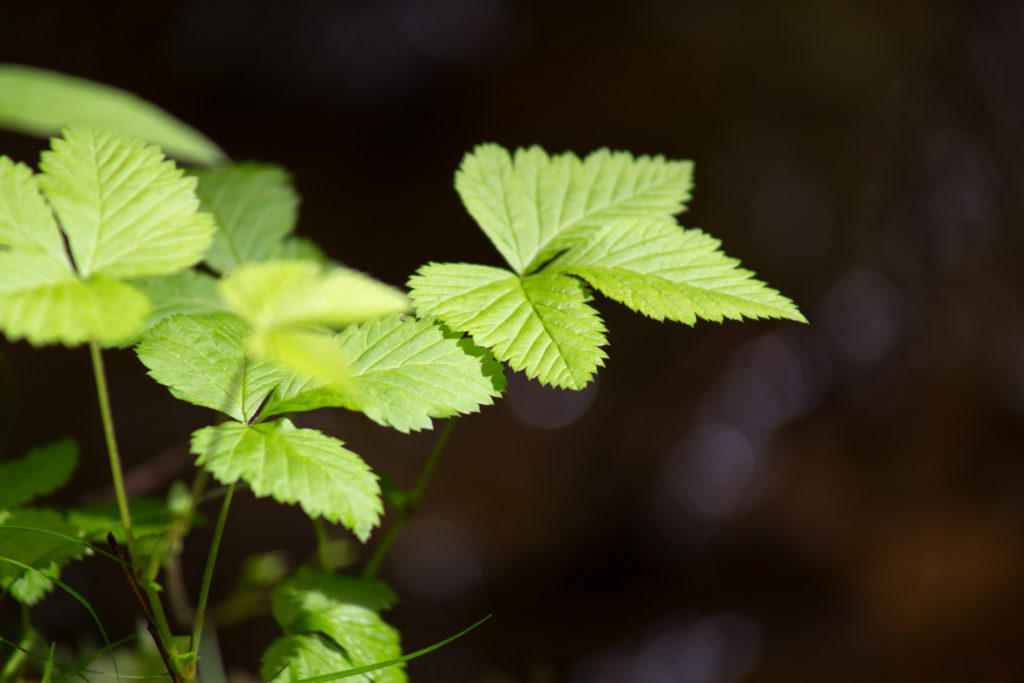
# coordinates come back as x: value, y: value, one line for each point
x: 211, y: 560
x: 410, y: 502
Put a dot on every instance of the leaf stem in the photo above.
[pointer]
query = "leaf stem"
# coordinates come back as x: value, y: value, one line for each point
x: 115, y: 458
x: 321, y: 544
x: 18, y: 656
x: 211, y: 560
x: 410, y: 502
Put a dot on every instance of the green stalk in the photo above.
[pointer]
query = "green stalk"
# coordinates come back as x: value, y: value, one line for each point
x: 115, y: 459
x: 321, y: 544
x: 211, y: 560
x: 412, y: 499
x: 18, y: 656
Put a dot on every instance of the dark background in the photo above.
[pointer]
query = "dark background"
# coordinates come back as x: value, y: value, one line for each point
x: 765, y: 501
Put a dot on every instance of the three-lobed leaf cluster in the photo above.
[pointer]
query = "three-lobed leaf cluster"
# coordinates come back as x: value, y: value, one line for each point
x: 566, y: 225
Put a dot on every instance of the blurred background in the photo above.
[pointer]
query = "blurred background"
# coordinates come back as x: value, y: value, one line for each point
x: 841, y: 501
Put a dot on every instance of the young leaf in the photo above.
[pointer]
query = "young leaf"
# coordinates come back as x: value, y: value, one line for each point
x: 283, y: 300
x: 658, y: 269
x: 534, y: 206
x: 255, y: 206
x: 127, y: 212
x: 202, y: 360
x: 403, y: 372
x: 39, y: 472
x: 539, y: 323
x: 346, y: 610
x: 40, y: 550
x: 42, y: 102
x: 189, y: 292
x: 294, y: 465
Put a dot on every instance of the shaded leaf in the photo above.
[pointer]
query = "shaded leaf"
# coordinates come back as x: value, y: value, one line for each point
x: 255, y: 206
x: 189, y: 292
x: 39, y: 472
x: 40, y: 550
x: 42, y: 102
x: 660, y: 270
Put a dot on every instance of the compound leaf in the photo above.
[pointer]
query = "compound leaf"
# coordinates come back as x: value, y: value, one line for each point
x: 294, y: 465
x: 39, y: 472
x: 255, y: 206
x: 532, y: 206
x: 346, y: 610
x: 42, y: 102
x: 202, y: 360
x: 658, y: 269
x: 540, y: 323
x: 127, y: 211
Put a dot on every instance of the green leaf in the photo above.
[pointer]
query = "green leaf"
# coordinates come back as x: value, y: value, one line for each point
x: 202, y: 360
x: 533, y: 206
x: 403, y: 372
x: 39, y: 472
x: 255, y: 206
x: 65, y: 308
x: 150, y: 516
x: 288, y: 303
x: 303, y: 656
x: 301, y: 293
x: 540, y: 323
x: 298, y: 249
x: 127, y: 212
x: 294, y: 465
x: 41, y: 102
x: 346, y: 610
x: 190, y: 292
x: 27, y: 224
x: 40, y: 550
x: 658, y: 269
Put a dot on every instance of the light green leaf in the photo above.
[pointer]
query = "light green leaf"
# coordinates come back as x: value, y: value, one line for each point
x: 127, y: 212
x: 39, y: 472
x: 298, y: 249
x: 255, y: 206
x: 540, y: 323
x: 403, y: 372
x: 294, y: 466
x: 275, y: 294
x: 40, y: 550
x: 346, y: 610
x: 534, y: 206
x: 41, y: 102
x: 202, y: 360
x: 309, y: 354
x: 658, y: 269
x: 65, y: 308
x: 189, y: 292
x: 26, y: 222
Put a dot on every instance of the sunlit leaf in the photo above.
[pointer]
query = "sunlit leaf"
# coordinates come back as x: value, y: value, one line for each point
x: 532, y: 206
x: 294, y: 465
x: 202, y: 360
x: 539, y: 323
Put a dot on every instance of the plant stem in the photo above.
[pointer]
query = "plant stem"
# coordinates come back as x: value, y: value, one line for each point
x: 211, y: 560
x: 18, y: 656
x: 411, y: 501
x: 115, y: 459
x: 321, y: 544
